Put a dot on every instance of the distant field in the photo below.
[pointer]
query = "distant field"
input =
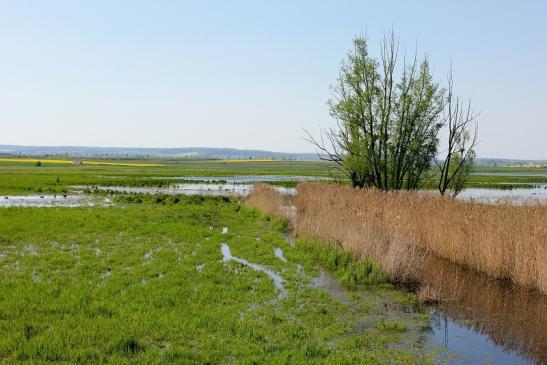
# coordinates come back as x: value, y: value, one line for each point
x: 76, y: 162
x: 22, y: 176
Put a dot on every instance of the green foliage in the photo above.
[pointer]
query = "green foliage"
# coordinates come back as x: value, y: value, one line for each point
x: 387, y: 133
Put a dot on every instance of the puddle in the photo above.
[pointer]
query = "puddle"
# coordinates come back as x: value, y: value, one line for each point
x: 289, y: 238
x: 328, y: 283
x: 278, y: 252
x: 49, y: 201
x: 277, y: 279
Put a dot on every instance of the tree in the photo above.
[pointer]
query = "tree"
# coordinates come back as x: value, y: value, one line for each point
x: 459, y: 158
x: 387, y: 129
x: 388, y: 120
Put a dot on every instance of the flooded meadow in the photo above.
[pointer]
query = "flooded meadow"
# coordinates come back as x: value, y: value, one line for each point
x: 476, y: 320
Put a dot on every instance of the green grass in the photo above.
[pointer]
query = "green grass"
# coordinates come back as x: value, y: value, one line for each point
x: 391, y: 326
x: 26, y: 178
x: 143, y: 282
x: 347, y: 269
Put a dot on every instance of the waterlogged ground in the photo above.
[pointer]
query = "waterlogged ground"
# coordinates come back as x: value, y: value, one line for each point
x: 113, y: 281
x: 205, y: 189
x: 54, y: 200
x: 78, y: 197
x: 190, y: 280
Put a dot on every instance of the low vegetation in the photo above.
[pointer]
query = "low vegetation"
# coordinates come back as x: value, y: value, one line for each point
x: 144, y: 282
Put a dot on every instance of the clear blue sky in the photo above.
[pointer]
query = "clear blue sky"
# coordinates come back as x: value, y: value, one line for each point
x: 251, y: 74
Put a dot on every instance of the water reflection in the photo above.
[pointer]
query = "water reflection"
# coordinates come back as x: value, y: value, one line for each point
x: 480, y: 314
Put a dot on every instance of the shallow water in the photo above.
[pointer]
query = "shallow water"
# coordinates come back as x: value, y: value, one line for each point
x: 289, y: 238
x: 328, y: 283
x: 509, y: 322
x: 535, y: 195
x: 220, y: 189
x: 515, y: 196
x: 50, y: 201
x: 278, y: 252
x: 463, y: 345
x: 277, y: 279
x: 242, y: 186
x: 490, y: 322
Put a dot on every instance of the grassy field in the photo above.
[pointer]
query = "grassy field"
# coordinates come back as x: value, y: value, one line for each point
x: 22, y: 176
x: 145, y: 283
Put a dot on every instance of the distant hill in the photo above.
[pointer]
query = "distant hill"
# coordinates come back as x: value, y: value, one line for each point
x: 192, y: 153
x: 140, y: 152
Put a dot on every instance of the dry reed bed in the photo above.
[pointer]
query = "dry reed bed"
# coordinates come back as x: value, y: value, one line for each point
x: 399, y: 229
x: 268, y: 200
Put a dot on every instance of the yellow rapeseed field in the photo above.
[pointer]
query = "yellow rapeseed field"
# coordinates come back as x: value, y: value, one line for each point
x: 95, y: 163
x: 34, y: 160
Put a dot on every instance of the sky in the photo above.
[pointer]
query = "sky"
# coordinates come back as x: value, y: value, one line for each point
x: 253, y: 74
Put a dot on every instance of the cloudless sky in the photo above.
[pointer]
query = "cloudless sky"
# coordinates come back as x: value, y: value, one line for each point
x: 252, y: 74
